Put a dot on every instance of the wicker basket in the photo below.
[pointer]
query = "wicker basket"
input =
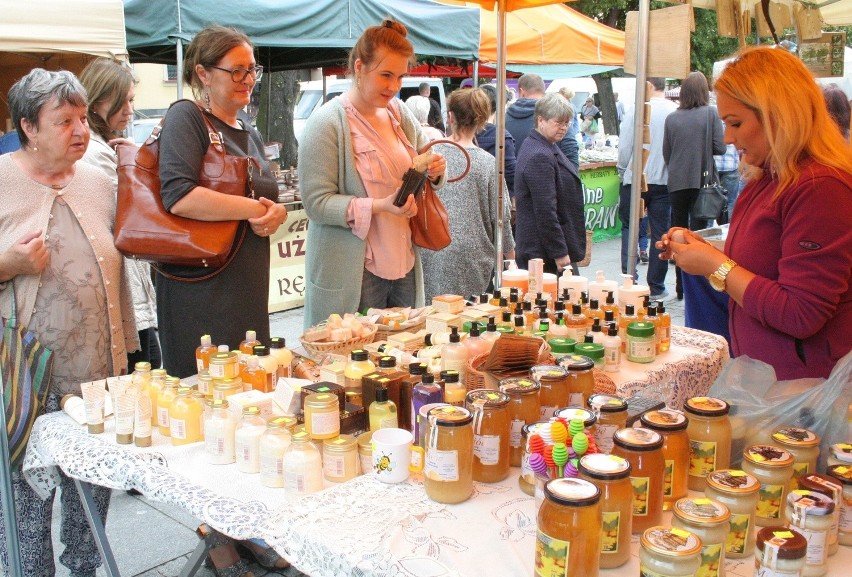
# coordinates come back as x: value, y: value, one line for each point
x: 320, y: 348
x: 476, y: 379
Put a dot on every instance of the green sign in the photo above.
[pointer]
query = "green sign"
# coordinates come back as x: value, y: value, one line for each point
x: 600, y: 194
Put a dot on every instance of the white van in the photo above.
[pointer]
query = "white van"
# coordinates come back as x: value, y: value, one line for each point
x: 311, y: 97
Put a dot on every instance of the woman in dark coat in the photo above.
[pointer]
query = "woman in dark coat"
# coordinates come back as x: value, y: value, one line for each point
x: 549, y: 197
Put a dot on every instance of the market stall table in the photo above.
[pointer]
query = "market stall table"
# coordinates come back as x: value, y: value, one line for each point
x: 361, y: 528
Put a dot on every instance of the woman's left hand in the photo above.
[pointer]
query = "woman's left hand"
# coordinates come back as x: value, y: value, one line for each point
x: 694, y: 255
x: 267, y: 224
x: 437, y: 167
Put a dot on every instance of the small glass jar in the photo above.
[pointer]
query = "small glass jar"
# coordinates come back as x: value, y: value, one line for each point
x: 205, y: 384
x: 340, y: 459
x: 491, y: 425
x: 322, y: 415
x: 611, y: 474
x: 643, y: 449
x: 838, y: 454
x: 803, y: 445
x: 448, y: 466
x: 844, y: 474
x: 225, y: 387
x: 779, y: 552
x: 831, y: 488
x: 567, y: 539
x: 582, y: 384
x: 708, y: 520
x: 273, y: 444
x: 224, y: 365
x: 612, y: 416
x: 669, y: 551
x: 524, y: 409
x: 554, y: 391
x: 219, y: 429
x: 810, y: 513
x: 365, y: 452
x: 247, y: 437
x: 738, y: 491
x: 672, y: 426
x: 526, y: 480
x: 302, y: 467
x: 773, y: 467
x: 641, y: 342
x: 709, y: 432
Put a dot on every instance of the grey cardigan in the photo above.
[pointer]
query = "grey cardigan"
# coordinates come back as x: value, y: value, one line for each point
x: 334, y: 263
x: 685, y: 143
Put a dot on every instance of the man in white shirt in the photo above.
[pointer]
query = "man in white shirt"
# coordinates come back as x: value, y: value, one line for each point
x: 656, y: 175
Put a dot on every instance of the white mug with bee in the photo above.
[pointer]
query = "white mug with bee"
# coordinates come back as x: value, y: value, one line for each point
x: 394, y: 456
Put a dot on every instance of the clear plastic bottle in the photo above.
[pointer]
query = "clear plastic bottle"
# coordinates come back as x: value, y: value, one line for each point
x: 247, y: 346
x: 597, y: 332
x: 247, y: 437
x: 382, y: 412
x: 202, y: 353
x: 158, y: 381
x: 454, y: 389
x: 278, y: 349
x: 624, y: 320
x: 612, y: 350
x: 454, y: 354
x: 491, y: 334
x: 476, y: 345
x: 664, y: 333
x: 219, y: 430
x: 269, y: 364
x: 577, y: 323
x: 651, y: 317
x: 273, y: 445
x: 426, y: 392
x: 253, y: 375
x: 302, y: 467
x: 164, y: 402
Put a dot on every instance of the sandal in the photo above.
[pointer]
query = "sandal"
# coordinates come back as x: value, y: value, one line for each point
x: 222, y: 554
x: 266, y: 557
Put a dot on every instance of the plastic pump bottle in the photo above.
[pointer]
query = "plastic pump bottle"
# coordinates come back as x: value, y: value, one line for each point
x: 454, y: 354
x: 476, y: 345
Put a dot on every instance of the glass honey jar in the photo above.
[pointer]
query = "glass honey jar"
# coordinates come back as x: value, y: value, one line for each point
x: 709, y: 433
x: 365, y: 452
x: 566, y: 541
x: 803, y: 445
x: 843, y: 474
x: 582, y: 384
x: 524, y: 408
x: 224, y: 365
x: 554, y: 388
x: 708, y: 520
x: 225, y: 387
x: 612, y: 416
x: 833, y: 489
x: 738, y: 491
x: 643, y: 449
x: 669, y: 551
x: 810, y: 513
x: 340, y: 459
x: 491, y: 426
x: 779, y: 552
x: 448, y: 465
x: 611, y: 474
x: 672, y: 426
x: 773, y: 467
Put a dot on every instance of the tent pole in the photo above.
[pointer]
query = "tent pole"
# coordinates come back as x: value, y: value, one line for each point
x: 500, y: 123
x: 638, y: 131
x: 7, y: 496
x: 475, y: 73
x: 179, y: 57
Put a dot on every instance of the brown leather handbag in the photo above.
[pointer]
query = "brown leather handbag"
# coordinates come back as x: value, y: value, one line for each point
x: 145, y: 230
x: 430, y: 227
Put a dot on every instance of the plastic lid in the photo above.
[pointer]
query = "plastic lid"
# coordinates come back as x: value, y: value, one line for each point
x: 767, y: 455
x: 664, y: 420
x: 381, y: 395
x: 661, y: 308
x: 701, y: 510
x: 706, y: 406
x: 806, y: 502
x: 518, y: 386
x: 450, y: 376
x: 280, y: 423
x: 609, y: 316
x: 172, y: 382
x: 359, y: 355
x: 474, y: 329
x: 387, y: 362
x: 576, y: 362
x: 219, y: 403
x: 454, y: 335
x: 587, y: 339
x: 251, y: 410
x: 610, y: 299
x: 484, y: 298
x: 562, y: 345
x: 640, y: 329
x: 612, y: 331
x: 795, y: 437
x: 786, y: 543
x: 821, y: 484
x: 321, y: 400
x: 604, y: 467
x: 277, y: 343
x: 206, y: 340
x: 520, y: 321
x: 547, y: 372
x: 590, y: 350
x: 253, y: 361
x: 222, y: 348
x: 596, y: 326
x: 594, y: 304
x: 607, y: 403
x: 449, y: 416
x: 417, y: 368
x: 842, y: 473
x: 142, y: 366
x: 842, y: 452
x: 630, y: 310
x: 652, y: 311
x: 732, y: 481
x: 492, y: 325
x: 577, y: 309
x: 251, y: 335
x: 671, y: 541
x: 572, y: 492
x: 341, y: 443
x: 260, y: 350
x: 486, y: 399
x: 428, y: 378
x: 638, y: 439
x: 507, y: 316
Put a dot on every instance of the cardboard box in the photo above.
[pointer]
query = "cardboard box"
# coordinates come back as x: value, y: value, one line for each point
x: 325, y: 387
x: 288, y: 395
x: 333, y: 373
x: 448, y: 303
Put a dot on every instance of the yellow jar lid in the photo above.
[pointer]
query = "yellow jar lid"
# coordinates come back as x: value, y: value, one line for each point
x: 539, y: 372
x: 223, y: 358
x: 251, y: 410
x: 321, y: 400
x: 768, y: 455
x: 571, y: 413
x: 701, y: 510
x: 733, y: 481
x: 607, y: 403
x: 218, y: 403
x: 281, y: 423
x: 795, y: 437
x: 671, y: 541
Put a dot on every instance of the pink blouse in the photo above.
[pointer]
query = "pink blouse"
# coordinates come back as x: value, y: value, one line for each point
x: 390, y: 254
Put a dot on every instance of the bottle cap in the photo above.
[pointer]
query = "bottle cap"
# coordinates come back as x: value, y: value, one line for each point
x: 381, y: 395
x: 594, y: 304
x: 630, y: 310
x: 454, y: 335
x: 251, y: 335
x: 596, y: 326
x: 503, y: 302
x: 559, y: 306
x: 613, y: 330
x: 253, y: 361
x: 428, y: 378
x: 609, y: 315
x: 610, y: 300
x: 387, y: 362
x: 577, y: 309
x: 417, y: 369
x: 492, y: 326
x: 260, y: 350
x: 277, y: 343
x: 507, y: 316
x: 450, y: 376
x: 206, y: 341
x: 589, y: 338
x: 652, y: 311
x: 474, y: 329
x: 359, y: 355
x: 519, y: 320
x: 661, y: 308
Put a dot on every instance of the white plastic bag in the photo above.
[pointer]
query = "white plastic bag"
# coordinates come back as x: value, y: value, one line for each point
x: 760, y: 404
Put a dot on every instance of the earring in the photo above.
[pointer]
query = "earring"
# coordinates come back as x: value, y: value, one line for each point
x: 206, y: 99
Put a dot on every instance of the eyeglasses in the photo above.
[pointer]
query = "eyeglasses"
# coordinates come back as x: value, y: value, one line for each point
x: 240, y: 74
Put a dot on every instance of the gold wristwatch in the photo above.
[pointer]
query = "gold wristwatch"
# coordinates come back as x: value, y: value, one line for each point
x: 718, y: 280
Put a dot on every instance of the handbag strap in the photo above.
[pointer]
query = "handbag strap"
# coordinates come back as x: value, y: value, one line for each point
x: 709, y: 175
x: 457, y: 145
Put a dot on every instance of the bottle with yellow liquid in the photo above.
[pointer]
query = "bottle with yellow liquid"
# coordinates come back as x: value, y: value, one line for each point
x: 185, y: 418
x: 577, y: 323
x: 610, y: 305
x: 253, y: 375
x: 382, y: 411
x: 164, y: 403
x: 270, y: 366
x: 247, y: 346
x: 158, y: 380
x: 664, y: 330
x: 202, y: 353
x: 624, y: 320
x: 651, y: 317
x: 279, y: 351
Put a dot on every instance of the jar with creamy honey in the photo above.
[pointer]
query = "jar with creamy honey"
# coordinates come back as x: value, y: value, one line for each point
x: 582, y: 384
x: 611, y: 474
x: 524, y: 409
x: 738, y: 491
x: 340, y: 459
x: 272, y: 445
x: 612, y: 416
x: 669, y: 552
x: 567, y: 542
x: 709, y: 432
x: 365, y: 452
x: 672, y: 426
x: 643, y: 449
x: 224, y: 365
x: 322, y: 415
x: 448, y: 465
x: 225, y: 387
x: 810, y: 513
x: 708, y: 520
x: 780, y: 552
x: 773, y: 467
x: 491, y: 426
x: 803, y: 445
x: 843, y: 474
x: 833, y: 489
x: 554, y: 388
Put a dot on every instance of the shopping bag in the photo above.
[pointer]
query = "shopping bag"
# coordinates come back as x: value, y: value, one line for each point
x: 25, y: 366
x: 760, y: 404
